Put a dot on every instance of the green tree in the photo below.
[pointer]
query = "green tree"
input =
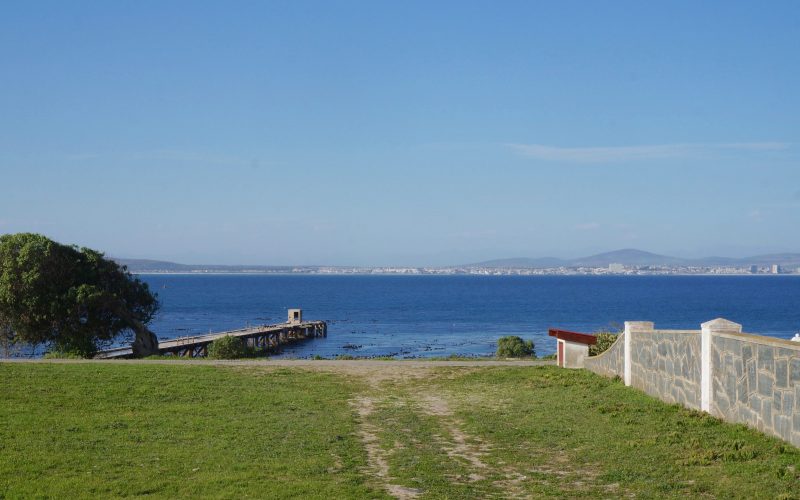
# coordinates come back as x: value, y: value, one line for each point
x: 512, y: 346
x: 70, y: 298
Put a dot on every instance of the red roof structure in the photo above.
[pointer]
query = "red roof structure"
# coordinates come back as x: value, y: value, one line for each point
x: 580, y: 338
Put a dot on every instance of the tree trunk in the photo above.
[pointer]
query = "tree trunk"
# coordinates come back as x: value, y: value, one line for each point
x: 145, y: 343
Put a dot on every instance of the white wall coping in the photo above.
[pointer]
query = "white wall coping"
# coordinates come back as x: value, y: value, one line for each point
x: 675, y: 331
x: 760, y: 339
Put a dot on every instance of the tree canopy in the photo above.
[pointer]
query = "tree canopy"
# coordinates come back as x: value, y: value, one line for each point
x: 69, y: 297
x: 512, y: 346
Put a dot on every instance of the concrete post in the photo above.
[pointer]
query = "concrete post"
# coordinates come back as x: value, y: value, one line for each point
x: 707, y: 331
x: 630, y: 328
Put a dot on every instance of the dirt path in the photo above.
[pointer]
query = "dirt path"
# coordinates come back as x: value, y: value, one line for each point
x: 403, y: 384
x: 295, y: 363
x: 376, y: 456
x: 470, y: 449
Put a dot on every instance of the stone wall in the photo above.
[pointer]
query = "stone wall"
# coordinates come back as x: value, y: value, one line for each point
x: 756, y: 381
x: 610, y: 363
x: 735, y: 376
x: 666, y: 364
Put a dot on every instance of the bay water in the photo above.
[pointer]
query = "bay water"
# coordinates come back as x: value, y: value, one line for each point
x: 425, y: 316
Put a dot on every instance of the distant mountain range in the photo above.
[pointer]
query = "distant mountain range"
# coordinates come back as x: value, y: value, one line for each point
x: 627, y: 257
x: 633, y: 257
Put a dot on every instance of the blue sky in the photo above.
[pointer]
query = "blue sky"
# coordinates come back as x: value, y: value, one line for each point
x: 401, y: 133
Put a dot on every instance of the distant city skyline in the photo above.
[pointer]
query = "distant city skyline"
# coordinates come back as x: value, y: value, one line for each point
x: 410, y: 134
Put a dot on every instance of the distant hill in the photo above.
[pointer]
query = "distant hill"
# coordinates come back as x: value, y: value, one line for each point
x: 634, y: 257
x: 784, y: 259
x: 523, y: 262
x: 628, y: 257
x: 160, y: 266
x: 715, y: 261
x: 138, y: 265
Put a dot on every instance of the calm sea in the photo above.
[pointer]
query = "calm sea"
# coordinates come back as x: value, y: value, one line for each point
x: 413, y: 316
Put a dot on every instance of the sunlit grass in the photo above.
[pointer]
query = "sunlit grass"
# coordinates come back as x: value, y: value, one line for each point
x: 110, y: 429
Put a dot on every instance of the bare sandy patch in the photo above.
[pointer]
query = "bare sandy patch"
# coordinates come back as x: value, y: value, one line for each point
x: 461, y: 446
x: 376, y: 456
x: 471, y: 449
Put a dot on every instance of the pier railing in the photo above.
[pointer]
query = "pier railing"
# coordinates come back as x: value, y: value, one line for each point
x: 264, y: 336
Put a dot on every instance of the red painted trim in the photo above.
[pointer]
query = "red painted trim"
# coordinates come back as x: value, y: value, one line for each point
x: 580, y: 338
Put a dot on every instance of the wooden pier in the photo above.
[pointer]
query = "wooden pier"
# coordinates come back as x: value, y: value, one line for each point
x: 264, y: 336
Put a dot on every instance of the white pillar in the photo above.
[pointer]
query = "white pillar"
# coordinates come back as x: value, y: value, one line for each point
x: 630, y: 328
x: 707, y: 331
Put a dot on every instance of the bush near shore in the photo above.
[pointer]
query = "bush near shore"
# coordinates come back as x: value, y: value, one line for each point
x: 512, y: 346
x: 228, y: 347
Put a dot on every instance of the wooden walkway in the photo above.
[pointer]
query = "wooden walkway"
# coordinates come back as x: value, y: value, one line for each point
x: 264, y: 336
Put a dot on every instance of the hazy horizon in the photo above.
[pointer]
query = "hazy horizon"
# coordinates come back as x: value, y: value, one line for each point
x: 452, y: 264
x: 405, y: 134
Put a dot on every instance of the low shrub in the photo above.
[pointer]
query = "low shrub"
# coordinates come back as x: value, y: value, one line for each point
x: 512, y: 346
x: 604, y: 341
x: 59, y: 354
x: 227, y: 347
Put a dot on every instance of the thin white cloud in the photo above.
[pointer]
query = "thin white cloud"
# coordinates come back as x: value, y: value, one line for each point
x: 589, y: 226
x: 607, y: 154
x: 756, y: 215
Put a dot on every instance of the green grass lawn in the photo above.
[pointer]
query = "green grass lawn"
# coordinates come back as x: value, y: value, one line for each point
x: 111, y: 429
x: 106, y: 430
